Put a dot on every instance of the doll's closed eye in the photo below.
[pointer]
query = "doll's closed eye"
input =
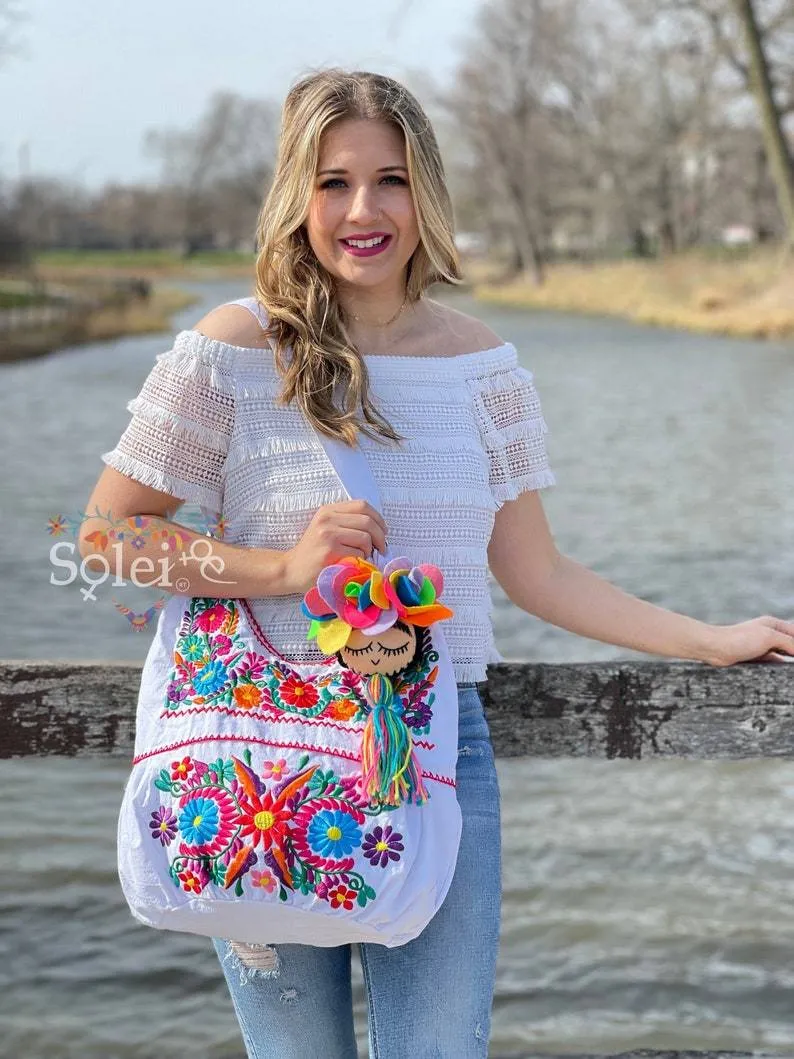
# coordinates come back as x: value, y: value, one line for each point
x: 360, y: 650
x: 395, y: 650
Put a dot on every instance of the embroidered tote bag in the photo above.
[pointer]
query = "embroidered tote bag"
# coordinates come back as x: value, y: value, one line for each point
x: 275, y: 802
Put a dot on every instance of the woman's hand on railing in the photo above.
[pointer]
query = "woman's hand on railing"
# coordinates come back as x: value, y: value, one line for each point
x: 765, y: 639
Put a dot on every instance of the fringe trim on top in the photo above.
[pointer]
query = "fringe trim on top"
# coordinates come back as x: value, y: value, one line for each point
x: 177, y: 487
x: 525, y: 484
x: 206, y: 361
x: 181, y: 427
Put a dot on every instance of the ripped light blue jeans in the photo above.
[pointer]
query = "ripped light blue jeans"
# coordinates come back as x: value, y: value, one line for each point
x: 428, y: 999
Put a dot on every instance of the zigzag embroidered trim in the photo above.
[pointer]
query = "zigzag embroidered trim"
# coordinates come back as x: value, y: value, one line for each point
x: 280, y: 718
x: 448, y: 781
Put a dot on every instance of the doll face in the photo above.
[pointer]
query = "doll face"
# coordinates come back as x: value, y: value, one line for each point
x: 386, y: 653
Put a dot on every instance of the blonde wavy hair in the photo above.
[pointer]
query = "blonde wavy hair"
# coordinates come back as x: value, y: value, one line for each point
x: 297, y: 292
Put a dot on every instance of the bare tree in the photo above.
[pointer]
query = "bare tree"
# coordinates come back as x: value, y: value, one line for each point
x: 219, y: 168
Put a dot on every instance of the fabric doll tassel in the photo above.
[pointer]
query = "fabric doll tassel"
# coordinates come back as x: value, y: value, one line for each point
x: 390, y: 771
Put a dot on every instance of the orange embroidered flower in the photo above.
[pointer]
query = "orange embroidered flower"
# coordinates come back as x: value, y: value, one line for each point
x: 247, y: 696
x: 343, y: 709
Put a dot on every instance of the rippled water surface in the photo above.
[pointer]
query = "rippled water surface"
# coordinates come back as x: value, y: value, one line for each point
x: 646, y: 904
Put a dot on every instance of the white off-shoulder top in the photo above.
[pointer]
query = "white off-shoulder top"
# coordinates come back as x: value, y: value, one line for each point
x: 206, y: 428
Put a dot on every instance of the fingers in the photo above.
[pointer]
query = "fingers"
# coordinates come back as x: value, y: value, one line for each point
x: 361, y: 507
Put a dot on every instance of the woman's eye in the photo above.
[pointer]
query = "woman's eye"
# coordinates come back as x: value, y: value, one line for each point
x: 339, y: 182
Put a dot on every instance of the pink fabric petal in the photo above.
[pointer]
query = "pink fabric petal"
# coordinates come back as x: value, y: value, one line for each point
x: 433, y: 574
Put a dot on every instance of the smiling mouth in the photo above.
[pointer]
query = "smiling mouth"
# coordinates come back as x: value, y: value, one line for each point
x: 374, y: 244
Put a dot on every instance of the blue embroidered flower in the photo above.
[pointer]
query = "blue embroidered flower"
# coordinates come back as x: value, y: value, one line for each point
x: 211, y: 678
x: 333, y: 833
x: 199, y: 821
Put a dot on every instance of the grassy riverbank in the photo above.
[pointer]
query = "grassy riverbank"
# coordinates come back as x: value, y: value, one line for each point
x: 61, y: 265
x: 748, y: 295
x: 41, y: 335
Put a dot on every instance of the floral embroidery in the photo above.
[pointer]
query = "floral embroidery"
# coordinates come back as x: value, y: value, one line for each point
x: 286, y: 831
x: 382, y: 845
x: 214, y: 666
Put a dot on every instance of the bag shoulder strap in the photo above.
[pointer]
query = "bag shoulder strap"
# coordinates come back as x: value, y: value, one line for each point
x: 351, y: 465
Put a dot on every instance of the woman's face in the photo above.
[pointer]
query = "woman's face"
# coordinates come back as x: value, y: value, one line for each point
x: 362, y: 195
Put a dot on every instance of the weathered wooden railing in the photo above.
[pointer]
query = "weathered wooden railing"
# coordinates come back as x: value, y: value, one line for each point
x: 604, y: 710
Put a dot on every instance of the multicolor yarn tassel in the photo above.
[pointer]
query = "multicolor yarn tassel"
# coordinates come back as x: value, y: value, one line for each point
x: 389, y: 768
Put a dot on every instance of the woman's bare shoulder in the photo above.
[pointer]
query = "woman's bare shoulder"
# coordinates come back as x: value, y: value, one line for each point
x: 234, y: 325
x: 459, y: 332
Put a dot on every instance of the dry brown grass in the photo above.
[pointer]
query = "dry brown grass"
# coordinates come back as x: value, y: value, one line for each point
x: 748, y: 297
x: 138, y: 317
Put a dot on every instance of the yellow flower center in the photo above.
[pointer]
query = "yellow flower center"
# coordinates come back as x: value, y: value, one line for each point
x: 264, y: 820
x: 381, y: 845
x: 197, y: 820
x: 334, y: 833
x: 299, y: 689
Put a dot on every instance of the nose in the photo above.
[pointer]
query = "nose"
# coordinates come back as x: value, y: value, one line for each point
x: 363, y: 206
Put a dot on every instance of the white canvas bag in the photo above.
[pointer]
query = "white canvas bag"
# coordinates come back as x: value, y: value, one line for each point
x: 245, y: 815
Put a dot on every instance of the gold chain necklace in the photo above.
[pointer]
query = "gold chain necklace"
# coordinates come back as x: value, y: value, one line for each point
x: 384, y: 323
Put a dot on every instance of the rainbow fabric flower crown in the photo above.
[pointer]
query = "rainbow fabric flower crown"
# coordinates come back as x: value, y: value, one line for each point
x: 356, y: 594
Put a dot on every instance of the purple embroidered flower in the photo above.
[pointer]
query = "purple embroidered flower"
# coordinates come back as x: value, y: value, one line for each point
x: 163, y: 825
x: 382, y: 845
x: 418, y: 716
x: 176, y: 692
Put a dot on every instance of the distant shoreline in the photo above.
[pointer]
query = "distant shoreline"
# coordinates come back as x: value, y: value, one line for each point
x: 749, y: 295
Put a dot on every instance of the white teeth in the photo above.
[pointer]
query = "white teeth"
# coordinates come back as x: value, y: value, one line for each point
x: 364, y: 243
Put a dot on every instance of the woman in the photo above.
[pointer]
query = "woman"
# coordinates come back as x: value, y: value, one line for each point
x: 355, y: 228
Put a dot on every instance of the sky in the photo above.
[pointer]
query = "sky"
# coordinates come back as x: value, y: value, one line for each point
x: 92, y: 76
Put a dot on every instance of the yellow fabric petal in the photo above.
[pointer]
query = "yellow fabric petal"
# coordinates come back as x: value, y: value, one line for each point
x: 333, y: 636
x: 376, y: 591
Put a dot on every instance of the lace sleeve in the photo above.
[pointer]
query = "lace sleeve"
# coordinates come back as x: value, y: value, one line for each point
x: 181, y: 423
x: 513, y: 429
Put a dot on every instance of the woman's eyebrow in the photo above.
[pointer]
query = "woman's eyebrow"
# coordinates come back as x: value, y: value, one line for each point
x: 383, y: 169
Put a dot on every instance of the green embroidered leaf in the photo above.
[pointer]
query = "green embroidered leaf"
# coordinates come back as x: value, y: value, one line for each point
x: 163, y: 782
x: 282, y: 893
x: 238, y: 889
x: 247, y: 756
x: 303, y: 762
x: 369, y: 892
x: 361, y: 900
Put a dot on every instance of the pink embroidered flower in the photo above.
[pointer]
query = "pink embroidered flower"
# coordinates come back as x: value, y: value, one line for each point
x: 180, y: 769
x: 222, y: 645
x: 252, y: 666
x: 274, y: 769
x: 264, y: 879
x: 211, y: 619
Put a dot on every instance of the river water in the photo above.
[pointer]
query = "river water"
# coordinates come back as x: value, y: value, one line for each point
x: 646, y: 905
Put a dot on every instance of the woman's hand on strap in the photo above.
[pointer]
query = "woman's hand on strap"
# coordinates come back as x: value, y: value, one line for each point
x: 352, y: 527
